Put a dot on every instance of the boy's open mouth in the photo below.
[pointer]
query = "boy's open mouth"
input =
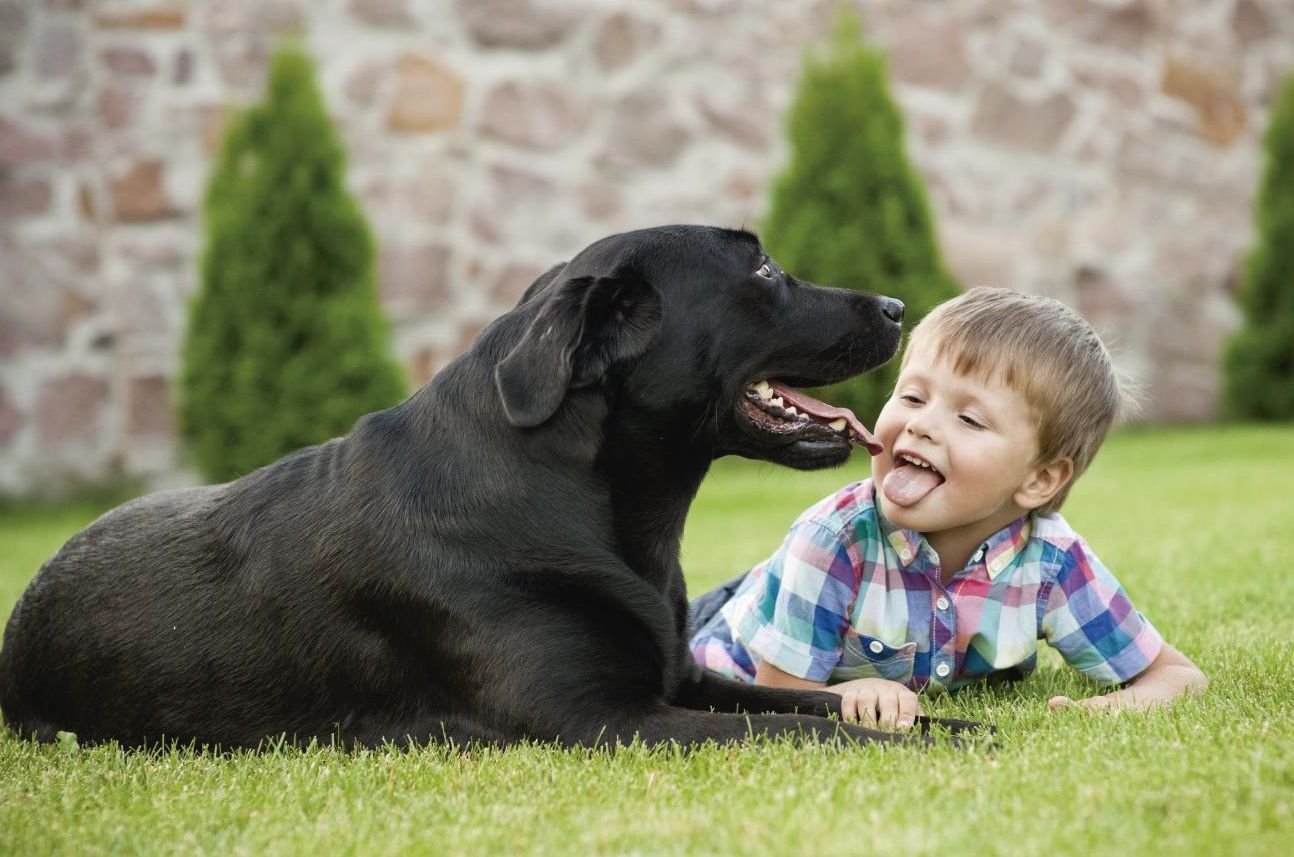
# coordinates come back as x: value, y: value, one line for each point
x: 911, y: 479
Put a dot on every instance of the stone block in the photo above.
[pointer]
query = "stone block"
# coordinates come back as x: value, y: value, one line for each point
x: 532, y: 115
x: 1250, y: 23
x: 363, y: 82
x: 1015, y: 122
x: 20, y: 144
x: 1125, y: 26
x: 23, y: 197
x: 1185, y: 396
x: 69, y: 409
x: 132, y: 16
x: 928, y: 49
x: 118, y: 105
x: 428, y: 96
x: 643, y: 132
x: 182, y: 67
x: 1103, y: 301
x: 599, y: 200
x: 11, y: 420
x: 139, y: 194
x: 13, y: 32
x: 381, y: 13
x: 737, y: 109
x: 127, y: 61
x: 41, y: 285
x: 529, y: 24
x: 413, y: 278
x: 148, y: 407
x: 978, y: 255
x: 1213, y: 90
x: 622, y: 38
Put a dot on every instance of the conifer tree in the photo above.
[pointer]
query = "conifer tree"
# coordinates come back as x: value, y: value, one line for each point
x: 286, y: 343
x: 849, y: 210
x: 1259, y: 360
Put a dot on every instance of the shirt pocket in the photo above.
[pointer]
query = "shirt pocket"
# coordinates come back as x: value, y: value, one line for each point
x: 867, y: 657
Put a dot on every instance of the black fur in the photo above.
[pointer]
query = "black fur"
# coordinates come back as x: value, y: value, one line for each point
x: 494, y: 559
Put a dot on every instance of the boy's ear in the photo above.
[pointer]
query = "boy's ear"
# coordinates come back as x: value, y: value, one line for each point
x: 1043, y: 483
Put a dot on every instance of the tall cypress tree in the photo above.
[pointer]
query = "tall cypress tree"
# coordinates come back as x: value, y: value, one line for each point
x: 286, y: 343
x: 849, y: 210
x: 1259, y: 361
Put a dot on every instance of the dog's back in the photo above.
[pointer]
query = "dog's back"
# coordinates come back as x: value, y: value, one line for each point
x: 170, y: 608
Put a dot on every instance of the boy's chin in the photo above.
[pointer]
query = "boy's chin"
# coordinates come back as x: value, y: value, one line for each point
x: 912, y: 517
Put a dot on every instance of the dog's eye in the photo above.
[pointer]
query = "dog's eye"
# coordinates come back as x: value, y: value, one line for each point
x: 766, y: 271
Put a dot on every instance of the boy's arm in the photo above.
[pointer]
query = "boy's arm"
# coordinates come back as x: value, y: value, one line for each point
x: 1169, y: 675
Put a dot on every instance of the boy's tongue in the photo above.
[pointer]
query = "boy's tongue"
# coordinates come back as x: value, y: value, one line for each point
x: 906, y: 485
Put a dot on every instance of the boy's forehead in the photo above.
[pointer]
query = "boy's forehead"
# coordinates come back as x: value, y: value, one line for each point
x: 989, y: 376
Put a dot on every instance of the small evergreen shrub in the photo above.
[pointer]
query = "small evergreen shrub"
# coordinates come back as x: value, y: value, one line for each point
x: 1259, y: 361
x: 849, y: 210
x: 286, y: 343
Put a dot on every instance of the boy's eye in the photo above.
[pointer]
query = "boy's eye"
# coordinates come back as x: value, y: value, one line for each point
x: 910, y: 399
x: 972, y: 422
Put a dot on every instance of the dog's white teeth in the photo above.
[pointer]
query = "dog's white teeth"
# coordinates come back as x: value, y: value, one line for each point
x: 838, y: 424
x: 763, y: 388
x: 804, y: 418
x: 777, y: 400
x: 791, y: 411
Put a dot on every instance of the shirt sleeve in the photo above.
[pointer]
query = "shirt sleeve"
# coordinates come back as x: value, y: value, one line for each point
x: 796, y: 620
x: 1089, y: 619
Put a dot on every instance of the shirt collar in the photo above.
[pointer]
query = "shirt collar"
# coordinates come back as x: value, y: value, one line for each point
x: 997, y: 552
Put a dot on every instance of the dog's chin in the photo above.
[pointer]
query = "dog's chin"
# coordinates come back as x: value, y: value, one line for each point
x: 803, y: 446
x: 812, y: 454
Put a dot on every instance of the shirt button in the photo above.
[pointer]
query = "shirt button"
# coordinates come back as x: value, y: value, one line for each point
x: 942, y: 670
x: 942, y: 603
x: 875, y: 646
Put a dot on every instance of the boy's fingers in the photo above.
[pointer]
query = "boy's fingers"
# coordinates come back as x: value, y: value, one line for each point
x: 1097, y: 703
x: 849, y: 707
x: 887, y: 709
x: 909, y: 708
x: 1057, y: 702
x: 867, y: 707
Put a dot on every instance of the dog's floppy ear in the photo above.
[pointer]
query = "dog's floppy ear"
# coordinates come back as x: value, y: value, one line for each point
x: 541, y: 282
x: 584, y: 325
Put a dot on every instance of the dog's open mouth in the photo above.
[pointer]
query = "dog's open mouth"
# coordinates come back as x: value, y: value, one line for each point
x: 780, y: 409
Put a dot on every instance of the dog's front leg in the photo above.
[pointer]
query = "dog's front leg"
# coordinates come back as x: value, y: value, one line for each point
x: 709, y: 691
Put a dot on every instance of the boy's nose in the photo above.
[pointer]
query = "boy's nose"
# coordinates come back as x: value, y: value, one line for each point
x: 918, y: 428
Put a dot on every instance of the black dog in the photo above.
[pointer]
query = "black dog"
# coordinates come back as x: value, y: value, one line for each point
x: 494, y: 559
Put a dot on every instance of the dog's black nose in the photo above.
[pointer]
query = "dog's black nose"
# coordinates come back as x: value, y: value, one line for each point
x: 893, y: 309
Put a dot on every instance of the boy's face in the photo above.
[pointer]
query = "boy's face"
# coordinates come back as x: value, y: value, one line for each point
x: 977, y: 438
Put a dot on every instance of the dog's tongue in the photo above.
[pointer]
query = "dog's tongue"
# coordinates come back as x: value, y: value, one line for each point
x: 906, y: 485
x: 804, y: 402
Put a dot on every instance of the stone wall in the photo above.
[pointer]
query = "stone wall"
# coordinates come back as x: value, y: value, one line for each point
x: 1102, y: 152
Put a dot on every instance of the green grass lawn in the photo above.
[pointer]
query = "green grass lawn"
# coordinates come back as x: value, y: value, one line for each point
x: 1197, y: 524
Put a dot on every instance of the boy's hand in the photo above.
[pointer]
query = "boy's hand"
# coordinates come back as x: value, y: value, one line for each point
x: 877, y: 702
x: 1168, y: 677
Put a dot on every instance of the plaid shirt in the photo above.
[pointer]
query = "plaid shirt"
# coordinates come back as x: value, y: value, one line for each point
x: 849, y: 595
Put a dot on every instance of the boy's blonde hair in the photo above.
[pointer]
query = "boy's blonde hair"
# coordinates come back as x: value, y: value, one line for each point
x: 1042, y: 349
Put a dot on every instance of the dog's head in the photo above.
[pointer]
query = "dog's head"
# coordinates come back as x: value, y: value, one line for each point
x: 696, y: 336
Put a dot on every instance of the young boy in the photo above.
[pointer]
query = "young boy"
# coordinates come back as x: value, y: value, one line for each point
x: 951, y: 562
